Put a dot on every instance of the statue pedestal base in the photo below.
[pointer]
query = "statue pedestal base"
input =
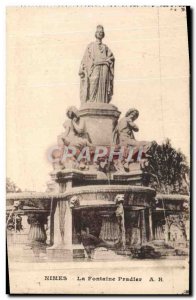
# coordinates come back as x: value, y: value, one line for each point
x: 62, y: 252
x: 100, y: 120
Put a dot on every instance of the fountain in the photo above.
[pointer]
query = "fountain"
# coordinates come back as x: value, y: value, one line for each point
x: 98, y: 195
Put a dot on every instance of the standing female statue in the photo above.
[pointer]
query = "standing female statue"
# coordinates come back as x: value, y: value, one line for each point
x: 97, y: 71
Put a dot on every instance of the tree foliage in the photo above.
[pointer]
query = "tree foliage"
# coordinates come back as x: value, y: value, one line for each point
x: 168, y: 169
x: 11, y: 187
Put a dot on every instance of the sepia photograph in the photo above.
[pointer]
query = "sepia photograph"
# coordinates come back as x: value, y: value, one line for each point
x: 98, y: 150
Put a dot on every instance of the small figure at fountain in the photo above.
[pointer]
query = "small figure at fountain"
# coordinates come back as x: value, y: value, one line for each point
x: 124, y: 131
x: 75, y: 133
x: 97, y: 71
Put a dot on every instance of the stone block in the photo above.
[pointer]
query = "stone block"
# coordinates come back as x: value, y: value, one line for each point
x: 100, y: 120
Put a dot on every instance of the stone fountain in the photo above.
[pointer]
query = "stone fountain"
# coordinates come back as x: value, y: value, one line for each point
x: 103, y: 198
x: 103, y: 202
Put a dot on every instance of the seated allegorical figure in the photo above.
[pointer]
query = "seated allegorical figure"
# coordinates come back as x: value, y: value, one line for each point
x: 75, y: 133
x: 124, y: 131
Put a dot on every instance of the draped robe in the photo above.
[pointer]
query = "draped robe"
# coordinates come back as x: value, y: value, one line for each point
x: 97, y: 67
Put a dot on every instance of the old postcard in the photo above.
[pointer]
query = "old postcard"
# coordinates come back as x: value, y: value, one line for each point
x: 98, y: 150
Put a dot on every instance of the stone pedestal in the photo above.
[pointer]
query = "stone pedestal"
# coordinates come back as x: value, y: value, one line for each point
x: 110, y: 232
x: 37, y: 235
x: 37, y: 232
x: 63, y: 248
x: 100, y: 120
x: 63, y: 253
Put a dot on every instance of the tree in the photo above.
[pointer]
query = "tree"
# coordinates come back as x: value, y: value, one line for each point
x: 11, y: 187
x: 168, y: 169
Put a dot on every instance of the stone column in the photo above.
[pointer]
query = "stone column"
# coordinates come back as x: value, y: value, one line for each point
x: 62, y: 224
x: 150, y: 225
x: 143, y: 226
x: 67, y: 230
x: 55, y: 225
x: 167, y: 229
x: 63, y: 248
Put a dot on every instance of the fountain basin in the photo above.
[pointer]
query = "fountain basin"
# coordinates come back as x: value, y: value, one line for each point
x: 93, y: 195
x: 104, y: 195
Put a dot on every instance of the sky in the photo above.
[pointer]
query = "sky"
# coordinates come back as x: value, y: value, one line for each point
x: 45, y: 46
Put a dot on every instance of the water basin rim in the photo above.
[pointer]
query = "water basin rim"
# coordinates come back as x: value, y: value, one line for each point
x: 82, y: 190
